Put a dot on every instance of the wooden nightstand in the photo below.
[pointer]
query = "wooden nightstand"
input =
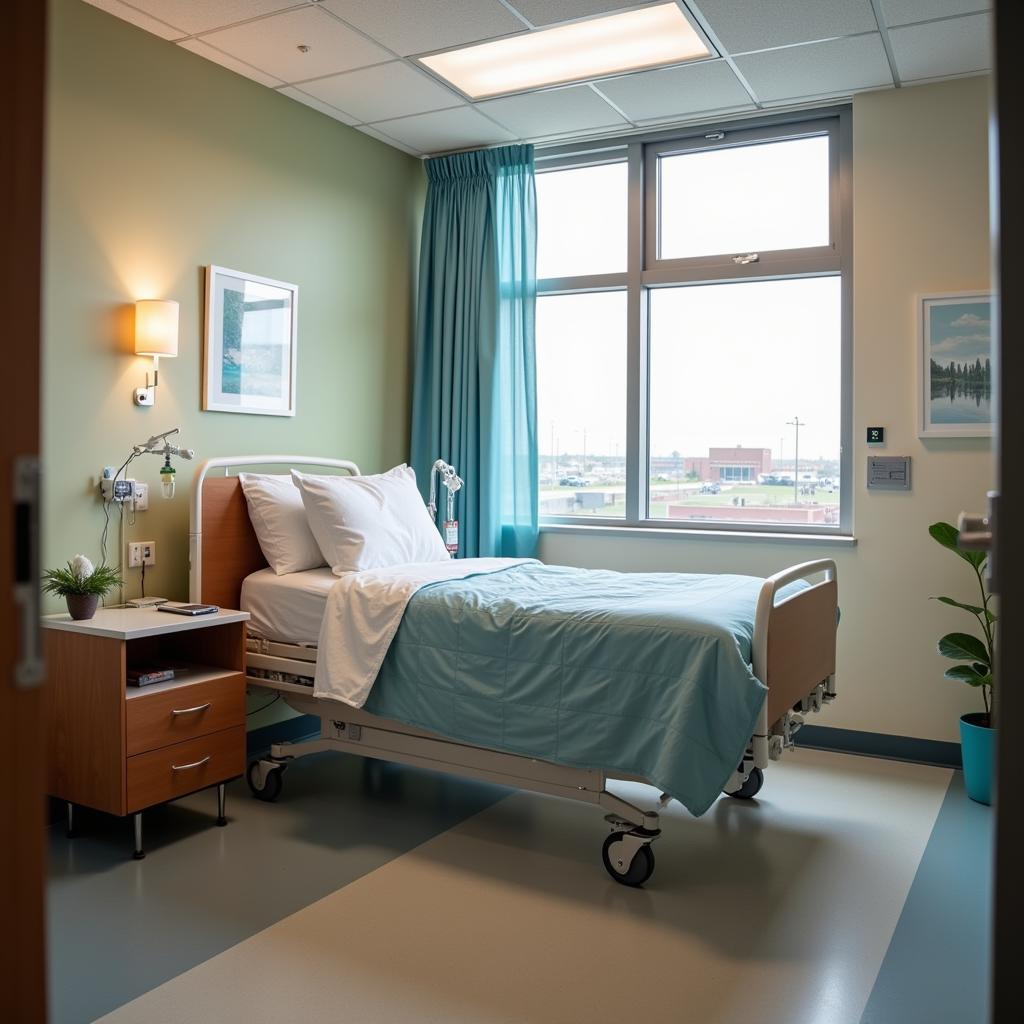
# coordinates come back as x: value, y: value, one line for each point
x: 120, y: 748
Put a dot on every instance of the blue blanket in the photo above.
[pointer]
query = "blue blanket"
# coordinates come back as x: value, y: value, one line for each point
x: 640, y: 673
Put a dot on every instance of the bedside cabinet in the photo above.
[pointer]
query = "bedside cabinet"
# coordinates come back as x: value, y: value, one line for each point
x: 120, y: 748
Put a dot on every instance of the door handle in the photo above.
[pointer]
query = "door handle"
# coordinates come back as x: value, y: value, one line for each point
x: 975, y: 532
x: 29, y: 668
x: 980, y: 533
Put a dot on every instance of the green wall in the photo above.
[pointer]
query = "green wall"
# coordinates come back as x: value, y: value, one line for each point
x: 160, y: 163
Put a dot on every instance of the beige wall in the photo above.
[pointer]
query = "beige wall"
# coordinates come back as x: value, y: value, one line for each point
x: 161, y: 162
x: 920, y: 226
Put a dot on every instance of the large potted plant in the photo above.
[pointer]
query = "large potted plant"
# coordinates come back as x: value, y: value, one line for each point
x: 81, y: 585
x: 976, y: 657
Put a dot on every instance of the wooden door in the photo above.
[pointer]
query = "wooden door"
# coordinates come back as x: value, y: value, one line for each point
x: 1008, y: 554
x: 22, y: 835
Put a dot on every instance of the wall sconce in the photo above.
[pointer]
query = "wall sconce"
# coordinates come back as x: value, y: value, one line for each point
x: 156, y: 335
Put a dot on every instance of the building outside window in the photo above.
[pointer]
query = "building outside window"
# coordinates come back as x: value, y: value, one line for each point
x: 693, y: 336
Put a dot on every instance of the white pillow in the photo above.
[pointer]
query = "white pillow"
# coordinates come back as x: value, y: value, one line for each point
x: 279, y: 519
x: 370, y: 522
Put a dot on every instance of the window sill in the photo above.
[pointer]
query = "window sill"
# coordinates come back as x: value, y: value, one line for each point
x: 611, y: 530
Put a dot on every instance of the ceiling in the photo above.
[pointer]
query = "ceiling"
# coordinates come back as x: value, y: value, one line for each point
x: 352, y: 60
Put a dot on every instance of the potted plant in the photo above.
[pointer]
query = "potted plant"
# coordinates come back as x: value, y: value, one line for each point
x: 81, y: 585
x: 976, y: 657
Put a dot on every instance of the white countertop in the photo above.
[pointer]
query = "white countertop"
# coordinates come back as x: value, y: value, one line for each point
x: 131, y: 623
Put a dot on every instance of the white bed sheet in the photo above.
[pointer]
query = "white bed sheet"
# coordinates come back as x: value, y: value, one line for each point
x: 288, y: 608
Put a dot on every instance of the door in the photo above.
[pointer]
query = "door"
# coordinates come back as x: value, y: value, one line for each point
x: 22, y: 851
x: 1008, y: 556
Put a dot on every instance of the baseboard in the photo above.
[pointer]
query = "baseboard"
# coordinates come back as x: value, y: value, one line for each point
x: 300, y: 727
x: 878, y: 744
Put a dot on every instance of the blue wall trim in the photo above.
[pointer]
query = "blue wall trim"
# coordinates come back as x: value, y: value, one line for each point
x: 878, y: 744
x: 298, y: 728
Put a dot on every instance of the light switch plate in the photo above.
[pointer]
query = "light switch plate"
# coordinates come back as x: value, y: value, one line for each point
x: 888, y: 472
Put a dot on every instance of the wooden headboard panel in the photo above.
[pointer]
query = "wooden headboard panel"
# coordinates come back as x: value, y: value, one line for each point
x: 223, y: 549
x: 230, y: 550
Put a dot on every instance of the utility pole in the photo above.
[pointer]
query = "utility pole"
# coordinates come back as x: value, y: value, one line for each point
x: 796, y: 423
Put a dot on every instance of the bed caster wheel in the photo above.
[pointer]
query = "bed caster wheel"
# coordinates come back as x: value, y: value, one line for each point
x: 750, y: 788
x: 265, y: 784
x: 634, y: 872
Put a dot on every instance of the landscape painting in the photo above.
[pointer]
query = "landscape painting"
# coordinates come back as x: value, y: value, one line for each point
x: 249, y: 363
x: 956, y: 365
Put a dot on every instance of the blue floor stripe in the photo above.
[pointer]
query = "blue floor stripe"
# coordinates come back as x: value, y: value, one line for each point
x: 936, y: 968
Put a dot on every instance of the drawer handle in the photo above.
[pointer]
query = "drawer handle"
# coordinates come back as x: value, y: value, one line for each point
x: 194, y: 764
x: 190, y: 711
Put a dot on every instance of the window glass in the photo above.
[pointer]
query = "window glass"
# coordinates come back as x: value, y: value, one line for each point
x: 581, y: 221
x: 581, y: 403
x: 754, y: 198
x: 733, y: 367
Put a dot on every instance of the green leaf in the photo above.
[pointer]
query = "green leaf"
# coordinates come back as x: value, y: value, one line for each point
x: 949, y: 536
x: 966, y: 674
x: 974, y: 609
x: 963, y: 647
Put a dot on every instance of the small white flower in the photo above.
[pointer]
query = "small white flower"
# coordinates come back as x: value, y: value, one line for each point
x: 82, y: 568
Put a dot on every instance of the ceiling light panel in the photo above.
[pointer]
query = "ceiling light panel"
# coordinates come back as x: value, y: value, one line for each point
x: 583, y: 50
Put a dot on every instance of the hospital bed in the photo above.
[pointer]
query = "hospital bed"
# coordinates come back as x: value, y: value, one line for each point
x: 792, y: 653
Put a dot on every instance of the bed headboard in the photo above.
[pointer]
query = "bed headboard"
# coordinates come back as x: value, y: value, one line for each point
x: 223, y: 549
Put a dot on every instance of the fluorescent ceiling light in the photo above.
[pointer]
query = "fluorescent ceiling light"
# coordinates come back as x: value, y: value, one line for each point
x: 631, y: 41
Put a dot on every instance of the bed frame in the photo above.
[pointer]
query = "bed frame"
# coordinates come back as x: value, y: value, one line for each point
x: 794, y: 647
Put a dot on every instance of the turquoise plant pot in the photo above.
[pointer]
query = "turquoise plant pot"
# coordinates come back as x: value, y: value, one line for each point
x: 977, y: 744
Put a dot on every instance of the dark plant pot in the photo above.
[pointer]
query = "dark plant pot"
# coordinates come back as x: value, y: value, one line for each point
x: 977, y: 744
x: 82, y: 606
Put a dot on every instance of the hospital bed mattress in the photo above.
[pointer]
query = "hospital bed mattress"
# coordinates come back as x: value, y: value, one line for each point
x: 289, y: 608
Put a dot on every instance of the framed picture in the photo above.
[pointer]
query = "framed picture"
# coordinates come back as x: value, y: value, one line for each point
x: 956, y: 365
x: 250, y: 344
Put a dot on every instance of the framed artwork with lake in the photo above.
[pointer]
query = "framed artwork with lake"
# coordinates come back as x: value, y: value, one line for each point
x: 956, y: 365
x: 250, y: 344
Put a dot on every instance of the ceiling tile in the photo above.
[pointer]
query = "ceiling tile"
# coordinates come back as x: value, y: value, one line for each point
x: 271, y: 44
x: 676, y: 91
x: 197, y: 46
x: 904, y: 12
x: 367, y: 129
x: 548, y: 12
x: 126, y: 13
x: 743, y: 26
x: 202, y: 15
x: 726, y: 114
x: 833, y: 68
x: 955, y: 47
x: 311, y: 101
x: 444, y: 130
x: 383, y: 91
x: 537, y: 114
x: 426, y: 25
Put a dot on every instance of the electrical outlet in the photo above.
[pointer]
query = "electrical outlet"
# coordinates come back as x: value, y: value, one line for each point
x: 141, y: 552
x: 116, y: 490
x: 141, y: 497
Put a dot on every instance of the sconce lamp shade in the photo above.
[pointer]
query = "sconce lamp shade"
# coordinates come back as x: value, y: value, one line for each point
x: 156, y: 327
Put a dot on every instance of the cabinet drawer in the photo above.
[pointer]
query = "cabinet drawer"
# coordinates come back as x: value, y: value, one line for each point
x: 169, y: 772
x: 163, y: 717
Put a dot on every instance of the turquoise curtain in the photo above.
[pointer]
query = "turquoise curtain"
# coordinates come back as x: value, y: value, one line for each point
x: 475, y: 388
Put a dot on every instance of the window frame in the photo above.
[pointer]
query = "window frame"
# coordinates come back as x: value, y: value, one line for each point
x: 645, y: 272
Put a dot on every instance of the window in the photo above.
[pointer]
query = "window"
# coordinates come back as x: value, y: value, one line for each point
x: 693, y: 330
x: 581, y: 416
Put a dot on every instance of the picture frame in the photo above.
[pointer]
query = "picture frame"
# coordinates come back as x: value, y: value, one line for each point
x: 955, y: 365
x: 250, y: 344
